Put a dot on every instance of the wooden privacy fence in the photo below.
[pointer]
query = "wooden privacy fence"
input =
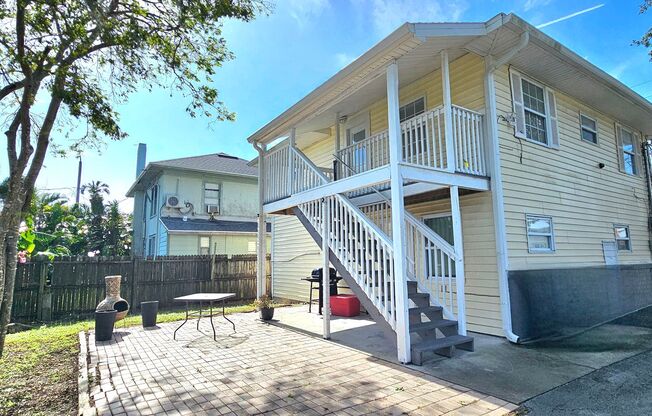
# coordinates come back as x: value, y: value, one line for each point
x: 73, y: 286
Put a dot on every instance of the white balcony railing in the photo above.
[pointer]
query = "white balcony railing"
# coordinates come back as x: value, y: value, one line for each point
x: 288, y: 171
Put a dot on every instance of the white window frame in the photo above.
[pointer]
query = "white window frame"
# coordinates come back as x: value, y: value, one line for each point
x: 546, y: 117
x: 583, y: 127
x: 425, y: 106
x: 638, y: 162
x: 219, y: 197
x: 252, y: 244
x: 628, y: 239
x: 425, y: 259
x: 551, y: 234
x: 154, y: 199
x: 151, y: 245
x: 199, y: 241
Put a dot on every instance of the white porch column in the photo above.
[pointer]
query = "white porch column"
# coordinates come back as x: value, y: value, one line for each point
x: 261, y: 245
x: 448, y: 112
x: 326, y: 285
x: 459, y: 254
x: 398, y: 217
x: 292, y: 141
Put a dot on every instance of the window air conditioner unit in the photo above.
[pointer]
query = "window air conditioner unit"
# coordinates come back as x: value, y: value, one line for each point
x: 173, y: 201
x: 212, y: 209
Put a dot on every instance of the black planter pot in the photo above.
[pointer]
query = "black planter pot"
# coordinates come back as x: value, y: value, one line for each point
x: 148, y: 311
x: 266, y: 314
x: 104, y: 321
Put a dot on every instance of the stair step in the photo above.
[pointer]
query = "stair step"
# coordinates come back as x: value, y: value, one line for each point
x: 439, y: 323
x: 439, y: 343
x: 418, y: 296
x: 424, y: 309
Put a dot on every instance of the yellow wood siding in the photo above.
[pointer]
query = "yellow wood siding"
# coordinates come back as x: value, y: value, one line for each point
x: 481, y: 286
x: 583, y: 200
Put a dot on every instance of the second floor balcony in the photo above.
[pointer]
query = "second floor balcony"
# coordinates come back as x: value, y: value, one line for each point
x: 426, y: 143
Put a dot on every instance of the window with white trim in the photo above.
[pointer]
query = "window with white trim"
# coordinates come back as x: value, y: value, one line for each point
x: 153, y: 195
x: 412, y: 109
x: 535, y: 112
x: 204, y: 245
x: 252, y: 246
x: 623, y: 240
x: 628, y: 150
x: 151, y: 245
x: 540, y: 234
x: 211, y: 198
x: 589, y: 129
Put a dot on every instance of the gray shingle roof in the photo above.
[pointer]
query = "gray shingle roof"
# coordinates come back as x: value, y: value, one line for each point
x: 214, y: 163
x: 200, y: 225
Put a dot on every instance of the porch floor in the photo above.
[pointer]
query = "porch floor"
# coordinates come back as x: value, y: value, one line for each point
x: 514, y: 373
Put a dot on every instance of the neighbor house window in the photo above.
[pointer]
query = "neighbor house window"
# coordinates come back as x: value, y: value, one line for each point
x: 623, y: 241
x: 211, y: 198
x: 535, y: 112
x: 412, y: 109
x: 540, y: 236
x: 151, y: 245
x: 589, y: 128
x: 251, y: 246
x: 628, y: 149
x: 153, y: 208
x: 204, y: 245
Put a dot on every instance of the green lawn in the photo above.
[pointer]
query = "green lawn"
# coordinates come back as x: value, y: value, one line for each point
x: 38, y: 374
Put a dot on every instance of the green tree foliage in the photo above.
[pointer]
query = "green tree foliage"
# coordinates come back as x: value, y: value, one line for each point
x: 646, y: 39
x: 73, y: 61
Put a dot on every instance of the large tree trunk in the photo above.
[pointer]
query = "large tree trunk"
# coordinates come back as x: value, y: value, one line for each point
x: 10, y: 223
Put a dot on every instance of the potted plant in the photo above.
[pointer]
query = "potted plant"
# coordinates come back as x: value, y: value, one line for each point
x: 266, y: 307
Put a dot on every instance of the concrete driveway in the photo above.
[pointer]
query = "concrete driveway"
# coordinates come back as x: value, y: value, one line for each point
x: 545, y: 376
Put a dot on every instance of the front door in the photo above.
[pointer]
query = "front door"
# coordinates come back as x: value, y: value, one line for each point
x: 442, y: 224
x: 358, y: 135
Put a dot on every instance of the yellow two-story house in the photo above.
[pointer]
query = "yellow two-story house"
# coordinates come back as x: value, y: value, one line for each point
x: 464, y: 177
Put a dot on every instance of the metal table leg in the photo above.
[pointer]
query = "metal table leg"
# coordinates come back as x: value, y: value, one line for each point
x: 199, y: 318
x: 224, y: 315
x: 210, y: 317
x: 174, y: 336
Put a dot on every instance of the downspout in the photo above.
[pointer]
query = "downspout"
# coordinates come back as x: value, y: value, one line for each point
x: 261, y: 248
x: 497, y: 195
x: 647, y: 149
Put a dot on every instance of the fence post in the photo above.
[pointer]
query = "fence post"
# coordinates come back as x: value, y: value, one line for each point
x: 44, y: 292
x: 133, y: 283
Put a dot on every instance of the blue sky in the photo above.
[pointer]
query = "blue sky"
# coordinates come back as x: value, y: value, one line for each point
x: 282, y: 57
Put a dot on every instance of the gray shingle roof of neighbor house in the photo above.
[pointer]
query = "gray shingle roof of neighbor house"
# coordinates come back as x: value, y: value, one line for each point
x: 174, y: 224
x: 215, y: 163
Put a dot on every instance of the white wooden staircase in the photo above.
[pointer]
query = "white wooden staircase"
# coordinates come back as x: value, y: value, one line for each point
x: 362, y: 253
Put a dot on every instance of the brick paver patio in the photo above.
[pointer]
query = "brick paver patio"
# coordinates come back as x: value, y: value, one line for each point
x: 261, y: 369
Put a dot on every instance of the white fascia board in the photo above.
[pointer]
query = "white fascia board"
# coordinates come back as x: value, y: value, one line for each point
x: 408, y: 190
x: 362, y: 180
x: 428, y: 30
x: 185, y: 232
x: 421, y: 174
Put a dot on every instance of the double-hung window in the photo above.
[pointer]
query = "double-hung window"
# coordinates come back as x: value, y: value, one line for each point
x: 628, y: 150
x: 535, y: 111
x: 211, y: 198
x: 540, y: 235
x: 412, y: 109
x: 623, y: 240
x: 153, y: 208
x: 589, y: 129
x: 204, y: 245
x: 151, y: 245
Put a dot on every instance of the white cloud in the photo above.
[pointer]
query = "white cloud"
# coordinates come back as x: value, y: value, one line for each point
x: 387, y: 15
x: 305, y: 10
x: 532, y: 4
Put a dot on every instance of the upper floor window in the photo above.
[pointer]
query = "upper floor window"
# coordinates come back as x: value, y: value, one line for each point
x: 589, y: 128
x: 412, y: 109
x: 211, y: 198
x: 535, y: 111
x: 540, y: 236
x: 623, y: 241
x: 628, y: 149
x: 153, y: 208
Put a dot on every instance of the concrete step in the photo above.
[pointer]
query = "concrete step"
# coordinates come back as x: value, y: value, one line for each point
x: 443, y: 346
x: 425, y: 310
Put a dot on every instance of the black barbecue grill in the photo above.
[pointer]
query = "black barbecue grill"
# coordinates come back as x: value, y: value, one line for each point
x: 316, y: 277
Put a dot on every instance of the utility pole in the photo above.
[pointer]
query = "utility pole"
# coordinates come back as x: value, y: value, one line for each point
x: 79, y: 172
